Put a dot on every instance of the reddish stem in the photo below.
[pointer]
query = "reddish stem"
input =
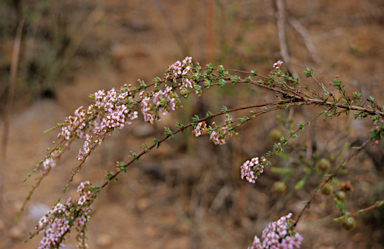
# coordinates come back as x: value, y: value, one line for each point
x: 328, y: 179
x: 378, y: 204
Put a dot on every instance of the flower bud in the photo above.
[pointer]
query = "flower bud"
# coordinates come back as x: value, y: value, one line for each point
x: 348, y: 223
x: 327, y: 189
x: 275, y: 135
x: 341, y: 195
x: 323, y: 165
x: 279, y: 188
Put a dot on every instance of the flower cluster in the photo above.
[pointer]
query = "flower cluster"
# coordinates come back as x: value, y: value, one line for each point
x: 109, y: 111
x: 56, y: 223
x: 218, y: 137
x: 278, y: 235
x: 163, y: 102
x: 277, y: 65
x: 85, y: 194
x: 377, y: 133
x: 183, y: 71
x: 251, y: 169
x: 179, y: 69
x: 54, y: 227
x: 115, y: 108
x: 218, y: 134
x: 49, y: 163
x: 201, y: 129
x: 88, y: 146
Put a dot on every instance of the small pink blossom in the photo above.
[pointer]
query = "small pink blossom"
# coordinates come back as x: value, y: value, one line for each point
x: 49, y: 163
x: 278, y: 235
x: 251, y: 169
x: 277, y: 64
x: 56, y: 223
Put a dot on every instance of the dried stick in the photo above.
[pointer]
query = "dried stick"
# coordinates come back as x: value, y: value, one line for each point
x: 280, y: 23
x: 9, y: 104
x: 307, y: 40
x: 210, y: 29
x: 78, y: 38
x: 179, y: 39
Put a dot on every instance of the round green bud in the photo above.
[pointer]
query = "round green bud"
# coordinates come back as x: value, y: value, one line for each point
x: 279, y: 187
x: 341, y: 195
x: 327, y: 189
x: 275, y: 135
x: 348, y: 223
x: 323, y: 165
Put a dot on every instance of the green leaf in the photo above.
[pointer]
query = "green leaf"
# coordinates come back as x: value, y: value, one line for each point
x: 371, y: 99
x: 339, y: 204
x: 301, y: 183
x: 221, y: 82
x: 282, y: 156
x: 224, y: 109
x: 168, y: 132
x: 156, y: 142
x: 300, y: 126
x: 179, y: 125
x: 308, y: 73
x: 282, y: 170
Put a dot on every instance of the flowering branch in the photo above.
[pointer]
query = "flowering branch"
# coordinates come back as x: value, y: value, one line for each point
x: 117, y: 108
x: 377, y: 204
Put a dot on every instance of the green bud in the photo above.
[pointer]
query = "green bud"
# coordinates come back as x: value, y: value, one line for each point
x: 275, y: 135
x: 327, y: 189
x: 323, y: 165
x: 341, y: 195
x: 279, y: 187
x: 348, y: 223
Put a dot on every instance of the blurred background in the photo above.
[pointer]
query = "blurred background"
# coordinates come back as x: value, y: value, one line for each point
x: 188, y: 193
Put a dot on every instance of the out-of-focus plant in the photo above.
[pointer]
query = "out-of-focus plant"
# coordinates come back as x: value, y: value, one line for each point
x: 51, y: 36
x: 118, y: 108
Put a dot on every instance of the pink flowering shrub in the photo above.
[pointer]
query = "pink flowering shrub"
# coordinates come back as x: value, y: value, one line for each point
x: 278, y: 235
x: 251, y: 169
x: 217, y: 134
x: 56, y: 224
x: 115, y: 109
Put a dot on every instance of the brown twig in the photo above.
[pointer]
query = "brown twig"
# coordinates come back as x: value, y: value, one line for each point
x: 9, y: 104
x: 79, y: 37
x: 307, y: 40
x: 279, y: 106
x: 280, y: 23
x: 378, y: 204
x: 210, y: 30
x: 176, y: 34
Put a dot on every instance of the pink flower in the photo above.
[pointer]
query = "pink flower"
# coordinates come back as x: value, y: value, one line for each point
x: 297, y: 240
x: 277, y: 235
x: 256, y: 244
x: 287, y: 243
x: 48, y: 163
x: 277, y: 64
x: 251, y: 169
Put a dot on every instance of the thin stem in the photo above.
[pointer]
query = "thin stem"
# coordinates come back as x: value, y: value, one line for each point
x: 9, y: 104
x: 329, y: 178
x: 378, y: 204
x: 201, y: 120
